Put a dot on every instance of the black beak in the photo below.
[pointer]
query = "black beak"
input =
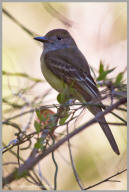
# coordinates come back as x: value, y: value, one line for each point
x: 41, y: 39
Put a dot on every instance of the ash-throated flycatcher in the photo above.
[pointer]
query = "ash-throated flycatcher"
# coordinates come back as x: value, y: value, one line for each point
x: 63, y: 65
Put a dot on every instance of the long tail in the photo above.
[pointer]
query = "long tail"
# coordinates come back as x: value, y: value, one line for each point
x: 103, y: 124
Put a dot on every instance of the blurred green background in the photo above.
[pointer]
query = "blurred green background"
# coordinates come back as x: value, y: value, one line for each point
x: 100, y: 32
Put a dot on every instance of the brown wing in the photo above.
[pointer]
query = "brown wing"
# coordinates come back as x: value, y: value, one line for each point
x: 76, y: 72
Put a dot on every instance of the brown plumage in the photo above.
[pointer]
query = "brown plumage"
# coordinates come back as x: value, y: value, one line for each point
x: 63, y: 63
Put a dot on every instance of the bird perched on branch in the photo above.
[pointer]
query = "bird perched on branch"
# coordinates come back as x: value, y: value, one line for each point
x: 64, y: 66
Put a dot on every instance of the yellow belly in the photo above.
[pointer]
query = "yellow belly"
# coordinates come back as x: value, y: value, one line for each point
x: 58, y: 84
x: 54, y: 81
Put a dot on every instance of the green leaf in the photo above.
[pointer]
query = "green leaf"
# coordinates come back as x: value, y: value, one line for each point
x: 40, y: 116
x: 39, y: 144
x: 19, y: 175
x: 38, y: 113
x: 37, y: 126
x: 101, y: 67
x: 63, y: 120
x: 110, y: 70
x: 61, y: 98
x: 104, y: 74
x: 119, y: 78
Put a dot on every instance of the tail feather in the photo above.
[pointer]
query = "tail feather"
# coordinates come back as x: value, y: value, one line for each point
x: 103, y: 124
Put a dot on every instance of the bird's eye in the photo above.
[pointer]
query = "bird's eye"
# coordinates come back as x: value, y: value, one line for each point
x: 59, y: 38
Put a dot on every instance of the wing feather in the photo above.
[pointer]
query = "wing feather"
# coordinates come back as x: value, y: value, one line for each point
x: 63, y: 68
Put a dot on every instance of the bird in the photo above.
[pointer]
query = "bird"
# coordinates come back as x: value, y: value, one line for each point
x: 64, y: 66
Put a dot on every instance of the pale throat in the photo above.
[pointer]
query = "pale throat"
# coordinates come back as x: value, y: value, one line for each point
x: 55, y: 46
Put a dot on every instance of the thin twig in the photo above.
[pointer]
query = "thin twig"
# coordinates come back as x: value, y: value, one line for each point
x: 31, y: 33
x: 72, y: 163
x: 18, y: 160
x: 105, y: 180
x: 58, y: 15
x: 56, y: 166
x: 118, y: 117
x: 43, y: 178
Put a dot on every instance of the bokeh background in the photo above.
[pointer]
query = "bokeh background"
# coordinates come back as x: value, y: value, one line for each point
x: 100, y: 32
